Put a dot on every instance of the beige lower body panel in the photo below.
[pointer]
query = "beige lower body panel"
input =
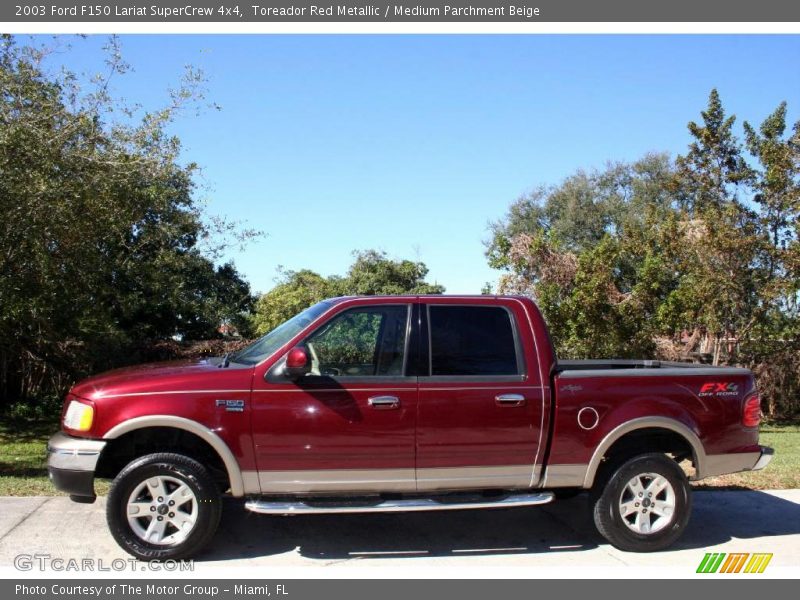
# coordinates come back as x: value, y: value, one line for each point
x: 251, y: 483
x: 390, y: 480
x: 337, y: 480
x: 459, y: 478
x: 565, y: 475
x: 560, y: 476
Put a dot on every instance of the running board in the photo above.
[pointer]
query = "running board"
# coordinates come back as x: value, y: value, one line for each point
x: 298, y: 507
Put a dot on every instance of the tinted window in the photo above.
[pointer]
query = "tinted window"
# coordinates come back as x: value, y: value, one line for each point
x: 472, y: 340
x: 361, y: 342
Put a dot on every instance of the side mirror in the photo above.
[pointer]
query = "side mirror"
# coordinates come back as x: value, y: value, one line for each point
x: 297, y: 363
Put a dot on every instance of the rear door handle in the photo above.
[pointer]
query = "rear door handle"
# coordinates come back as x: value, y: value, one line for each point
x: 510, y: 400
x: 384, y: 402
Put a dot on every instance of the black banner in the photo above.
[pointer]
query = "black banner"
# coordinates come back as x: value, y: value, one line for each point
x: 454, y: 11
x: 394, y: 589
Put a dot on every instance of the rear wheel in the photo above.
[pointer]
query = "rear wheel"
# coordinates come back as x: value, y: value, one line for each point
x: 163, y: 506
x: 644, y: 505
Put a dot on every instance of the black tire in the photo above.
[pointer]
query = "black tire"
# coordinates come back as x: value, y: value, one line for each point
x: 175, y: 467
x: 607, y: 496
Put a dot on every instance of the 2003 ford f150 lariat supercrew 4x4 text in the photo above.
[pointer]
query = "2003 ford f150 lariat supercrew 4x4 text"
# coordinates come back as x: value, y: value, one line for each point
x: 402, y: 403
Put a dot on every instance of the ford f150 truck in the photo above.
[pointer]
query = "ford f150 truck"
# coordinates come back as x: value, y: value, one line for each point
x: 404, y: 403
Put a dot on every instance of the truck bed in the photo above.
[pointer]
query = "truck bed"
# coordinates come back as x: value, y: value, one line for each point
x: 627, y: 364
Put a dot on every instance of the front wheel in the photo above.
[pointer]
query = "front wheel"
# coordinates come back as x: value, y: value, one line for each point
x: 645, y: 505
x: 163, y: 506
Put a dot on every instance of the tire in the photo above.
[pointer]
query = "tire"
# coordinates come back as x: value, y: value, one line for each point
x: 646, y: 526
x: 163, y: 531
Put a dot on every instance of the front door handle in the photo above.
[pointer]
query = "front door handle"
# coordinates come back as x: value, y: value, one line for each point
x: 510, y: 400
x: 384, y: 402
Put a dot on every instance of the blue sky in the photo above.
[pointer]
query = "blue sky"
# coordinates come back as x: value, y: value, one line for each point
x: 412, y: 144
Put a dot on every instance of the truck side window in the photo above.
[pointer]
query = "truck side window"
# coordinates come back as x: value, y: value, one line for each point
x: 472, y: 340
x: 366, y: 341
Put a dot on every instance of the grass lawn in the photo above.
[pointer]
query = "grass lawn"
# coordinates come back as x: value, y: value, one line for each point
x: 23, y: 470
x: 23, y: 459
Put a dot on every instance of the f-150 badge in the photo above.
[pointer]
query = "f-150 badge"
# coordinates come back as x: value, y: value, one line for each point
x: 231, y: 405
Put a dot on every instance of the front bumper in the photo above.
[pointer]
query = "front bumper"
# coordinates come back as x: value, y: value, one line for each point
x: 71, y: 463
x: 722, y: 464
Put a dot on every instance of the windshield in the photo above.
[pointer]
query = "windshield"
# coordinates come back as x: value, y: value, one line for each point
x: 263, y: 347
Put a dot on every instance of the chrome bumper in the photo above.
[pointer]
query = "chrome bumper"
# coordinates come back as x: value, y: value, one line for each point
x: 764, y: 459
x: 723, y: 464
x: 73, y: 454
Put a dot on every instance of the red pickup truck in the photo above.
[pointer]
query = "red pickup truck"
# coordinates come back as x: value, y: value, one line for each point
x: 403, y: 403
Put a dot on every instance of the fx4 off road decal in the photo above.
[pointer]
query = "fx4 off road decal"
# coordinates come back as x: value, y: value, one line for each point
x: 719, y: 388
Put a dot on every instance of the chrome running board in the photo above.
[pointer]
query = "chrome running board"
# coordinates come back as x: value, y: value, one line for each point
x: 298, y: 507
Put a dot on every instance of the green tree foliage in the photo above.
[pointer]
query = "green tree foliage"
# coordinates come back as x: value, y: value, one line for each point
x: 372, y: 273
x: 694, y: 258
x: 778, y: 194
x: 350, y: 340
x: 724, y: 250
x: 714, y: 167
x: 295, y: 291
x: 102, y: 244
x: 772, y: 347
x: 587, y: 273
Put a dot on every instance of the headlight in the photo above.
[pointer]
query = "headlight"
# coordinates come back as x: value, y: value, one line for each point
x: 79, y: 416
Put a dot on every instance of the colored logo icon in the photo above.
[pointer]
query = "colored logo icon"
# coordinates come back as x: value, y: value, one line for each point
x: 735, y: 562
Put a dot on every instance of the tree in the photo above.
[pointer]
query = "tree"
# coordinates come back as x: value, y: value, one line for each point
x: 713, y: 169
x: 723, y: 258
x: 295, y: 291
x: 773, y: 346
x: 372, y: 273
x: 688, y: 259
x: 589, y: 285
x: 102, y: 244
x: 580, y: 211
x: 778, y: 184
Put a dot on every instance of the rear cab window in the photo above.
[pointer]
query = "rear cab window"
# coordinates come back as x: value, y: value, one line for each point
x: 473, y: 341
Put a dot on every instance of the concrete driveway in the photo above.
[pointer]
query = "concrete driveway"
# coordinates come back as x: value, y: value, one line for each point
x: 558, y: 534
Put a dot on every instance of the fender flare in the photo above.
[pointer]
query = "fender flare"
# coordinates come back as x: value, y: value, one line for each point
x: 201, y: 431
x: 698, y: 452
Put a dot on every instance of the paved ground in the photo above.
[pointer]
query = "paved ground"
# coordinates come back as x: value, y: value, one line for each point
x: 556, y: 534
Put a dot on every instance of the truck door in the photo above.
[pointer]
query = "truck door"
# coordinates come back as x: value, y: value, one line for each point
x: 479, y: 421
x: 349, y: 424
